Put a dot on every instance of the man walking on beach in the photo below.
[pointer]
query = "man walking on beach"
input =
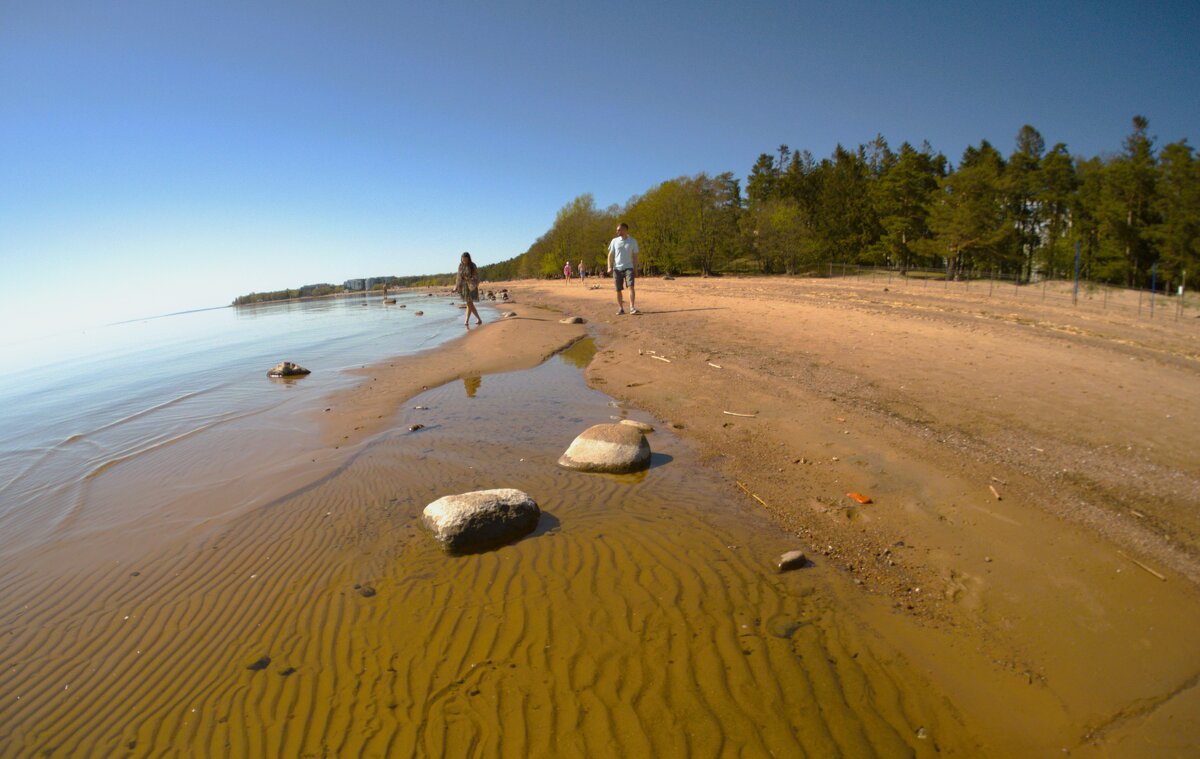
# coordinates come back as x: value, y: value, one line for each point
x: 622, y: 262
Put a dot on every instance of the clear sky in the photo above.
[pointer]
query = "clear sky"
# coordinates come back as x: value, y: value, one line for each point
x: 168, y: 155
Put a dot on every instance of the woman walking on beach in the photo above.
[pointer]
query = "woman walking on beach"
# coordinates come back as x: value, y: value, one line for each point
x: 567, y: 272
x: 467, y: 284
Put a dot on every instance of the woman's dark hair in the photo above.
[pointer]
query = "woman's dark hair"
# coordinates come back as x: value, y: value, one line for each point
x: 467, y: 257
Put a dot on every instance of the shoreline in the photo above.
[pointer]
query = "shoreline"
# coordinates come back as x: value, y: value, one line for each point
x: 992, y: 613
x: 499, y: 345
x: 1046, y: 524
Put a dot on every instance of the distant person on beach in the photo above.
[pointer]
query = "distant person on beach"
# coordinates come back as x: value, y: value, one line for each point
x: 567, y: 272
x: 622, y: 261
x: 582, y: 272
x: 467, y: 284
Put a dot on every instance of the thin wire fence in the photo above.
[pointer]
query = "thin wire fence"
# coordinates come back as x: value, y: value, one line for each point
x: 1160, y: 304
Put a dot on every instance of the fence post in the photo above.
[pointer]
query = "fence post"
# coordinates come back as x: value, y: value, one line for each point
x: 1153, y: 286
x: 1182, y: 292
x: 1075, y: 295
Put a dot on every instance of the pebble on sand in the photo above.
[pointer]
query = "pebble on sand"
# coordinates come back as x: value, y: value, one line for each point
x: 791, y: 560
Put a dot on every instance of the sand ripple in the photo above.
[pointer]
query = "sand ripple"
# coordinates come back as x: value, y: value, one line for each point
x: 641, y: 619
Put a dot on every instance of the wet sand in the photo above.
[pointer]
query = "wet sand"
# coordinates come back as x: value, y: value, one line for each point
x: 1036, y: 493
x: 642, y: 618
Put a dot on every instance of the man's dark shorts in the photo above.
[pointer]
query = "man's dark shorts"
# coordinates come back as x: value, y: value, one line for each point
x: 623, y: 278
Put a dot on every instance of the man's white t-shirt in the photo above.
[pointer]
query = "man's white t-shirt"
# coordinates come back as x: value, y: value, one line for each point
x: 623, y: 250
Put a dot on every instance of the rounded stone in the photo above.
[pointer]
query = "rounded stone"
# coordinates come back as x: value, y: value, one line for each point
x: 287, y: 369
x: 791, y: 560
x: 481, y: 519
x: 608, y: 448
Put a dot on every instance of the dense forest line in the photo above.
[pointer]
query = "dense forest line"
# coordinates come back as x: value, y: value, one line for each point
x: 324, y: 288
x: 1132, y: 212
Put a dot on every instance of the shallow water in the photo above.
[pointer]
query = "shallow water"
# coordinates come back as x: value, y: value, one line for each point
x: 642, y: 618
x: 178, y: 398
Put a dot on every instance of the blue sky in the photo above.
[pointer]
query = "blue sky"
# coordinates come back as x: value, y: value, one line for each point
x: 163, y: 156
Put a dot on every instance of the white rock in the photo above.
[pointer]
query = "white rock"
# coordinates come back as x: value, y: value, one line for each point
x: 481, y: 519
x: 610, y: 448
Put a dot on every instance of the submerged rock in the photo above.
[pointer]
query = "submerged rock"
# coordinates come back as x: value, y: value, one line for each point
x: 288, y: 369
x: 481, y: 519
x: 609, y: 448
x: 791, y: 560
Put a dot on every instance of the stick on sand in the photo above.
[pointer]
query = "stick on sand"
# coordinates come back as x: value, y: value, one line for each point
x: 1143, y: 566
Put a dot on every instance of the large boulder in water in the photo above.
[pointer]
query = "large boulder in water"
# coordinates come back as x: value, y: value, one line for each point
x: 609, y: 448
x: 481, y: 519
x: 288, y: 369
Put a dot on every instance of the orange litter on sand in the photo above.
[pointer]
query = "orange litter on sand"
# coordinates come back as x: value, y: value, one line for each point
x: 859, y: 497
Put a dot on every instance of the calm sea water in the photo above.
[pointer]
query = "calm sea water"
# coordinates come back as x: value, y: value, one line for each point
x: 74, y: 406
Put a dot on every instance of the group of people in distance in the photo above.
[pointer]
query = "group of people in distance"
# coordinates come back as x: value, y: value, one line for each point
x: 622, y: 262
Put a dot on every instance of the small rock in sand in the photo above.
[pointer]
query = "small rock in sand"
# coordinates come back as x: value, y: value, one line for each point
x: 481, y: 519
x: 791, y: 560
x: 262, y: 663
x: 572, y: 320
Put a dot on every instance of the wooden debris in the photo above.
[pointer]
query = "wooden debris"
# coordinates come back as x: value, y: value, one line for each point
x: 1143, y: 566
x: 715, y: 366
x: 995, y: 492
x: 752, y: 495
x: 859, y: 497
x: 997, y: 479
x: 1137, y: 513
x: 734, y: 413
x: 1039, y: 450
x: 660, y: 358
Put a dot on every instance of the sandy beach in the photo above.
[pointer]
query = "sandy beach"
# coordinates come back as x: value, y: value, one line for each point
x: 1022, y: 582
x: 1032, y: 469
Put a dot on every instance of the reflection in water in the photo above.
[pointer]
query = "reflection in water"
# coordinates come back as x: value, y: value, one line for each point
x: 580, y: 354
x: 471, y: 385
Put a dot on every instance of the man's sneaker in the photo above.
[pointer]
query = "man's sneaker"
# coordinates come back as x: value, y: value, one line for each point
x: 634, y: 311
x: 620, y: 312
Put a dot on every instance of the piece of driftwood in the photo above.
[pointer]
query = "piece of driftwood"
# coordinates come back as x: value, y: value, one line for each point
x: 715, y: 366
x: 734, y: 413
x: 995, y: 492
x: 752, y: 495
x: 660, y: 358
x: 1143, y: 566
